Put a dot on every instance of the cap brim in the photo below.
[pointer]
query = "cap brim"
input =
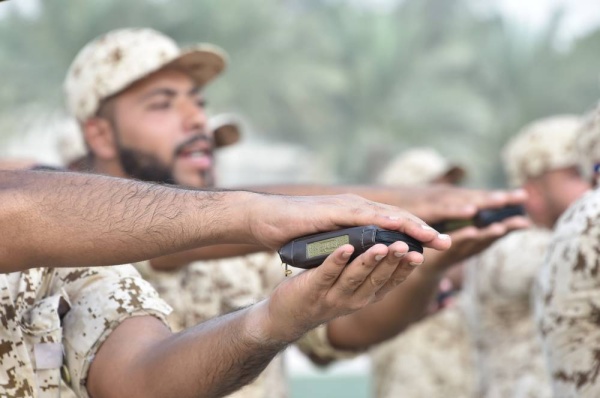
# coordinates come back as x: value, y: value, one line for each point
x: 203, y: 62
x: 226, y: 134
x: 455, y: 174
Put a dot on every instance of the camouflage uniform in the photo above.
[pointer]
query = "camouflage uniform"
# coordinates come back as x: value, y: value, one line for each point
x: 497, y: 292
x: 568, y: 301
x: 431, y: 359
x: 567, y: 295
x: 55, y: 320
x: 207, y: 289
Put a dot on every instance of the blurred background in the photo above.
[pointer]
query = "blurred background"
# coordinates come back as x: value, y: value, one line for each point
x: 329, y: 90
x: 339, y: 86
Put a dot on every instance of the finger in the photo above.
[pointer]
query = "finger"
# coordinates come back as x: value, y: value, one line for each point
x: 427, y: 235
x: 326, y: 275
x: 517, y: 196
x: 408, y: 263
x: 359, y: 269
x: 398, y: 256
x: 517, y: 222
x: 402, y: 272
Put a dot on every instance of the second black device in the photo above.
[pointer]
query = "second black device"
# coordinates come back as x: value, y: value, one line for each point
x: 482, y: 219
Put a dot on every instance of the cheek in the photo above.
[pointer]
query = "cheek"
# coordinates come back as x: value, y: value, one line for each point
x: 152, y: 136
x: 566, y: 193
x: 575, y: 190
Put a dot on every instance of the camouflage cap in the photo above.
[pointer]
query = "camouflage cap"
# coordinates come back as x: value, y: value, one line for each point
x: 114, y: 61
x: 544, y: 145
x: 588, y: 145
x: 419, y: 166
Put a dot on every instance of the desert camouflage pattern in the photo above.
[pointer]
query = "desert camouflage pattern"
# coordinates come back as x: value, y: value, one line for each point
x: 207, y: 289
x: 498, y: 292
x: 54, y: 321
x: 543, y: 145
x: 432, y: 359
x: 567, y: 301
x: 588, y: 146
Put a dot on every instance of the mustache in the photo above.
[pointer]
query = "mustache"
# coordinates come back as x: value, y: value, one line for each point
x: 193, y: 139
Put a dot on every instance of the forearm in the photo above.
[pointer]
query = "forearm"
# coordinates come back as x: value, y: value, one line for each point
x: 141, y: 358
x: 383, y: 320
x: 180, y: 259
x: 69, y: 219
x: 212, y: 359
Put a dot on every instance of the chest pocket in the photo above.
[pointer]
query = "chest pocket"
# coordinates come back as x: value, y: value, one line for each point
x: 42, y: 332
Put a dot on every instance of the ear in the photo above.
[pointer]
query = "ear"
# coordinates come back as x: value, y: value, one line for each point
x: 100, y: 138
x: 535, y: 204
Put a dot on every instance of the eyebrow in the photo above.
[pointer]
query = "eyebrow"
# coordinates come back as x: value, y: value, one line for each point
x: 158, y: 91
x: 169, y: 92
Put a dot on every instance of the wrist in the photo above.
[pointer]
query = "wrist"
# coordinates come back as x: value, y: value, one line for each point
x: 430, y: 273
x: 264, y: 330
x: 223, y: 216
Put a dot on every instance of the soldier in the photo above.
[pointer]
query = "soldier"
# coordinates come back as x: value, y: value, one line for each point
x: 566, y: 298
x: 541, y: 158
x: 146, y: 120
x: 110, y: 324
x: 432, y: 358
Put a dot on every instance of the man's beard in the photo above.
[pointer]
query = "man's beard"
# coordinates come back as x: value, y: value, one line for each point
x: 145, y: 167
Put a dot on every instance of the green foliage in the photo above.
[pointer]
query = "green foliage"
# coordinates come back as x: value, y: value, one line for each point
x: 353, y: 83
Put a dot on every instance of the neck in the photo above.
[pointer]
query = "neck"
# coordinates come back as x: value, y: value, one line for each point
x: 107, y: 168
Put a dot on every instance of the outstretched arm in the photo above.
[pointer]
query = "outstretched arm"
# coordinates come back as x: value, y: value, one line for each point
x: 70, y: 219
x: 432, y: 203
x: 142, y: 359
x: 409, y: 302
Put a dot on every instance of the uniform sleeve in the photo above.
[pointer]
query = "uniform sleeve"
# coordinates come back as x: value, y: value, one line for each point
x: 101, y: 298
x: 317, y: 347
x: 568, y: 302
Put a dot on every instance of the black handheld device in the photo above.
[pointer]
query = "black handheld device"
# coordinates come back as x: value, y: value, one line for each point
x: 310, y: 251
x: 482, y: 219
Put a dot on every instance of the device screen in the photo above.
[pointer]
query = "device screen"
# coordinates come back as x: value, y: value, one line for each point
x: 325, y: 246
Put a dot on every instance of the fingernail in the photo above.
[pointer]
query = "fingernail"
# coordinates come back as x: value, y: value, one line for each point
x: 444, y: 237
x: 399, y: 255
x: 394, y: 218
x: 379, y: 257
x: 414, y: 264
x: 346, y: 254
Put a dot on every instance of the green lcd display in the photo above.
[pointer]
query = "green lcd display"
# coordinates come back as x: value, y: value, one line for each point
x: 326, y: 246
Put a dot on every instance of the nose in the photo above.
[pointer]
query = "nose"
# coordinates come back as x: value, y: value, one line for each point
x: 194, y: 117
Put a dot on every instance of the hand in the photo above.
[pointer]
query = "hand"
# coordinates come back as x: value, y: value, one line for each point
x: 275, y: 220
x: 469, y: 241
x: 442, y: 202
x: 16, y: 164
x: 336, y: 288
